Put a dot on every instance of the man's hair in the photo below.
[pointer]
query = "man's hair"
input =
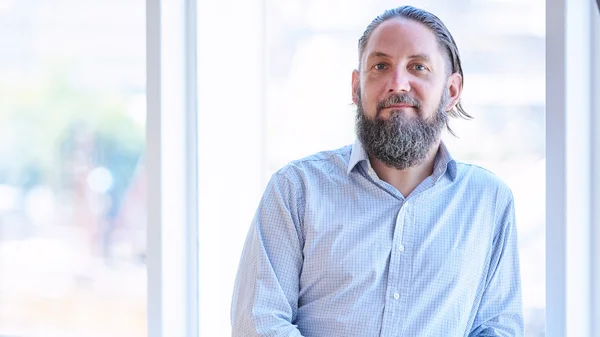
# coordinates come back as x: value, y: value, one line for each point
x: 444, y: 38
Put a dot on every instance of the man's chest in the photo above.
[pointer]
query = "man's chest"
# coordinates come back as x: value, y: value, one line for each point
x: 413, y: 246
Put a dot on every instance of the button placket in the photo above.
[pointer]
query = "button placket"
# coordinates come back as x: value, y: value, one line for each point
x: 400, y: 221
x: 395, y: 300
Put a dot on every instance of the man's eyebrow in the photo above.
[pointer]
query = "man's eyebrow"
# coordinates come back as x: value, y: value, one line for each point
x: 423, y: 57
x: 378, y: 54
x: 420, y: 56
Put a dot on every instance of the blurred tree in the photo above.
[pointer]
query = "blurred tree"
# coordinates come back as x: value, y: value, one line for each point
x: 39, y: 119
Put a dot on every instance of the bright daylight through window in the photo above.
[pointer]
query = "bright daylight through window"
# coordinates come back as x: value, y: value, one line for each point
x: 72, y: 174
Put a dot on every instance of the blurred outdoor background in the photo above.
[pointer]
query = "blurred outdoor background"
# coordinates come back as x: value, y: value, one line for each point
x: 72, y: 142
x: 72, y: 198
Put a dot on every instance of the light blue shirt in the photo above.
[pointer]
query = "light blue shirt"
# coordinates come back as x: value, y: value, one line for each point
x: 335, y: 251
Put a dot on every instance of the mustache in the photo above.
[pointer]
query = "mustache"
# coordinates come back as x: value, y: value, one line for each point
x: 398, y: 99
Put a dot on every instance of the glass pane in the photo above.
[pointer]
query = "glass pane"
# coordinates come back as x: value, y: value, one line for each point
x: 72, y: 177
x: 312, y: 49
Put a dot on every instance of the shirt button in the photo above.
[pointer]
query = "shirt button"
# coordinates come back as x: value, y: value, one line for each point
x: 396, y: 296
x: 400, y: 248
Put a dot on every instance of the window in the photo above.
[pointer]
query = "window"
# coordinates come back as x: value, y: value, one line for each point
x: 72, y: 172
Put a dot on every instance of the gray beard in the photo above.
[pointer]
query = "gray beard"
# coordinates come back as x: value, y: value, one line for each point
x: 399, y: 141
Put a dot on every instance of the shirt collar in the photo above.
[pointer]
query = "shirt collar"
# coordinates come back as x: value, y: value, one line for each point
x: 444, y: 163
x: 357, y: 155
x: 443, y: 160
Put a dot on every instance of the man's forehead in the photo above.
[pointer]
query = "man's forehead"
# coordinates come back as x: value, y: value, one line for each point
x: 400, y: 34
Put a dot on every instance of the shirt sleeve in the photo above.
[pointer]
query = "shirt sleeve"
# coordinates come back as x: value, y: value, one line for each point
x: 265, y: 298
x: 500, y: 311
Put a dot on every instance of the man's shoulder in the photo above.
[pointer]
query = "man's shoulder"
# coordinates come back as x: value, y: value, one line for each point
x: 482, y: 178
x: 321, y: 163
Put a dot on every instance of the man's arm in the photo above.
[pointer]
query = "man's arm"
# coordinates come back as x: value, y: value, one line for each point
x: 500, y: 311
x: 265, y: 298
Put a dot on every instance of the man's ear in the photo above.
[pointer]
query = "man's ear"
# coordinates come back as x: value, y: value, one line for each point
x: 454, y: 86
x: 355, y: 85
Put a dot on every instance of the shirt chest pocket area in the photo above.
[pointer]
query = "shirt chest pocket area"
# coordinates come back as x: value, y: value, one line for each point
x: 343, y: 254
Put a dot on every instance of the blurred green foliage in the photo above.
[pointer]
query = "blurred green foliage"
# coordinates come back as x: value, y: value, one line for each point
x: 37, y: 119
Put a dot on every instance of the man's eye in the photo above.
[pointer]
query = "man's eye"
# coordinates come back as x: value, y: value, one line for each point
x: 419, y: 67
x: 380, y: 66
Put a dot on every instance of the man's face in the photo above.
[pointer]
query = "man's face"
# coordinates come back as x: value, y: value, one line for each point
x: 402, y: 92
x: 401, y: 56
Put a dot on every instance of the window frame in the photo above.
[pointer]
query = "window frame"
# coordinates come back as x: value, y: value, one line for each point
x: 171, y: 152
x: 570, y: 149
x: 595, y: 87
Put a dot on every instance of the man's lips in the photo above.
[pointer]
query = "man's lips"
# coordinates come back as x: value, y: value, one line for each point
x: 399, y: 106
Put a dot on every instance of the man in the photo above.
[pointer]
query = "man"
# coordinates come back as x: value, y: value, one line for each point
x: 390, y: 236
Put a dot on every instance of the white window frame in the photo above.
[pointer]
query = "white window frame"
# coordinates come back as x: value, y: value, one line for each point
x: 595, y: 88
x: 570, y: 276
x: 172, y: 253
x: 177, y: 73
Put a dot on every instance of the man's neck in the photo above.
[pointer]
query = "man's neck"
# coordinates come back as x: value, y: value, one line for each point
x: 408, y: 179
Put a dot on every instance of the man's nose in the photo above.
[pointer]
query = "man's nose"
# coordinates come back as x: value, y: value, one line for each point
x: 399, y: 82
